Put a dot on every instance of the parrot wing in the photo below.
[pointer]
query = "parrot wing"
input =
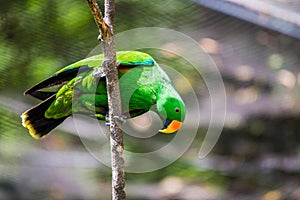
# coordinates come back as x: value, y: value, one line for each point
x: 127, y: 60
x: 57, y: 103
x: 56, y: 79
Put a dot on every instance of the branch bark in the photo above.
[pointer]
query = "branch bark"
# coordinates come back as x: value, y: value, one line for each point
x: 106, y: 26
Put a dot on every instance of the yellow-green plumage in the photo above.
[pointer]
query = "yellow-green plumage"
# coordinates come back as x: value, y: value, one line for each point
x: 142, y: 84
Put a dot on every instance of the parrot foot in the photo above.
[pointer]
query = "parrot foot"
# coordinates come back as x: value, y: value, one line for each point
x: 107, y: 123
x: 121, y: 118
x: 98, y: 72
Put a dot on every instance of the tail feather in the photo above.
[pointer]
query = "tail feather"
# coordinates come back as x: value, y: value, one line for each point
x: 35, y: 121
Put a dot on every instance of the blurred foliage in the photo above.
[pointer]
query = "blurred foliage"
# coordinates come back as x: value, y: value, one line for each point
x: 39, y: 37
x: 182, y: 169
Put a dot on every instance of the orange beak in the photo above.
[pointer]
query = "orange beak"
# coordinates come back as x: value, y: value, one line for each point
x: 171, y: 126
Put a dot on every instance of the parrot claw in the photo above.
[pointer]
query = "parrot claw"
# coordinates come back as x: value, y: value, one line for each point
x: 98, y: 73
x: 107, y: 118
x: 107, y: 123
x: 121, y: 118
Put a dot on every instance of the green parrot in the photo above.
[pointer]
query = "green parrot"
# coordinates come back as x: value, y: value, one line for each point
x: 81, y: 88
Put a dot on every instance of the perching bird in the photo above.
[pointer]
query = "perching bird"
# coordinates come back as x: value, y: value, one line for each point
x: 82, y: 89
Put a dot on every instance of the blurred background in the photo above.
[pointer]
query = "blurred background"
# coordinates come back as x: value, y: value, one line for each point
x: 255, y: 46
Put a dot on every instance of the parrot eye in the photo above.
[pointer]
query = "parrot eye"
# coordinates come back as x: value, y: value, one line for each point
x: 177, y: 109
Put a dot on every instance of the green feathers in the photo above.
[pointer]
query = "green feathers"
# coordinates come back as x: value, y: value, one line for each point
x: 142, y: 84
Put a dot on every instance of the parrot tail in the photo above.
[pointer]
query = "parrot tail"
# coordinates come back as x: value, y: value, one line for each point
x: 35, y: 121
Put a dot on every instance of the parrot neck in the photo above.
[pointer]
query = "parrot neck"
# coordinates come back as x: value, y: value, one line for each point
x: 166, y: 92
x: 162, y: 97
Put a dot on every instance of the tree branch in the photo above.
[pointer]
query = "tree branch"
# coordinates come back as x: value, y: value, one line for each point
x: 113, y: 92
x: 109, y: 13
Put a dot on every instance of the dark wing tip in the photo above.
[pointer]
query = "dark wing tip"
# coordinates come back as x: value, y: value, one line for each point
x: 58, y: 79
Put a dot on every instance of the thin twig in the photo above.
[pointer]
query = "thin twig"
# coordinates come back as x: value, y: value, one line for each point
x: 103, y: 28
x: 113, y: 92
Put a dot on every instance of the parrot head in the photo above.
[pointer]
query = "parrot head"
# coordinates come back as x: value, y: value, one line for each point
x: 172, y: 109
